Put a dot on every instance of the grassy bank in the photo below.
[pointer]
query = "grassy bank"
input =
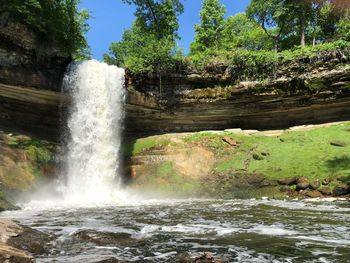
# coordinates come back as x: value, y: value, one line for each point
x: 244, y: 165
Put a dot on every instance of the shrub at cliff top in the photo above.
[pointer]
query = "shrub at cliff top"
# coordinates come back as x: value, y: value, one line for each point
x: 261, y: 64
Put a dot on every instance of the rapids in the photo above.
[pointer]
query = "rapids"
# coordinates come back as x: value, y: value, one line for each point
x: 165, y: 231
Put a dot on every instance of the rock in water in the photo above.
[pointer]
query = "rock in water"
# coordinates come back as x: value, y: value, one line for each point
x: 17, y: 241
x: 10, y: 254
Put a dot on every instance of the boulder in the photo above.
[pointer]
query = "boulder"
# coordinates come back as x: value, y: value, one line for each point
x: 24, y: 238
x: 18, y: 242
x: 314, y: 194
x: 108, y: 238
x: 287, y: 181
x: 10, y: 254
x: 325, y: 191
x: 207, y: 258
x: 302, y: 184
x: 315, y: 185
x: 341, y: 190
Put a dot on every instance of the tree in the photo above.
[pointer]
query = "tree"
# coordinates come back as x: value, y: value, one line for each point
x: 241, y: 32
x: 57, y: 21
x: 150, y: 44
x: 273, y: 17
x: 158, y: 17
x: 209, y: 33
x: 301, y: 11
x: 142, y: 52
x: 343, y: 27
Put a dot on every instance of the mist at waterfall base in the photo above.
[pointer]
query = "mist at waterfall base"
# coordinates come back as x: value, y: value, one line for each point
x: 91, y: 130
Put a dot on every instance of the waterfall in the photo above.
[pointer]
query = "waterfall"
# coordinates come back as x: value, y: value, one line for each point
x: 94, y: 132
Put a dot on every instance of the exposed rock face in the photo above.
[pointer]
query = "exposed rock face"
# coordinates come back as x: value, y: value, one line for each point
x: 36, y: 111
x: 18, y: 243
x: 308, y: 90
x: 27, y: 60
x: 320, y: 95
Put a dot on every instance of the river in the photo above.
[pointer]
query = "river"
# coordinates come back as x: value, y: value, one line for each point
x: 167, y: 230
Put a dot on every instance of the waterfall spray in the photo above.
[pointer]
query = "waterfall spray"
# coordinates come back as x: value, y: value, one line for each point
x: 94, y: 132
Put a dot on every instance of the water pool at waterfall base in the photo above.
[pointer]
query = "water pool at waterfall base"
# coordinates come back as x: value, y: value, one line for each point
x: 94, y: 218
x: 169, y: 230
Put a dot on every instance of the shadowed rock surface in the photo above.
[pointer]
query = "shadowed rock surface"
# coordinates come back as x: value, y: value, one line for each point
x: 18, y: 243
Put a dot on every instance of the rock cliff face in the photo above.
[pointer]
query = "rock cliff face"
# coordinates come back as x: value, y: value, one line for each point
x: 302, y: 92
x: 27, y: 60
x: 309, y: 90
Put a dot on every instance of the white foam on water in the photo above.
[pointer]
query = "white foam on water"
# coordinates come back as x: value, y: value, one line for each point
x: 272, y: 230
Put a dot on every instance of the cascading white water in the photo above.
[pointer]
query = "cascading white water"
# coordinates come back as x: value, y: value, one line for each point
x: 94, y: 128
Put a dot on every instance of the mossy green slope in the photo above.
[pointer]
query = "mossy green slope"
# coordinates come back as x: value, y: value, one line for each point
x: 316, y: 154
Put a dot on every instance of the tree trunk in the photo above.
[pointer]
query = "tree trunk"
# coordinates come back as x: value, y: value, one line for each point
x: 276, y: 45
x: 302, y: 30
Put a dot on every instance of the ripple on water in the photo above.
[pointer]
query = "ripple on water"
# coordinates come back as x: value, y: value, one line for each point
x: 235, y: 230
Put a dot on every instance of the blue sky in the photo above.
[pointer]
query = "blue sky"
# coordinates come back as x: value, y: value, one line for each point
x: 112, y: 17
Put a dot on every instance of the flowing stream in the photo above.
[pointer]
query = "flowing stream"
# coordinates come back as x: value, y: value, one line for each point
x: 94, y: 221
x: 165, y: 231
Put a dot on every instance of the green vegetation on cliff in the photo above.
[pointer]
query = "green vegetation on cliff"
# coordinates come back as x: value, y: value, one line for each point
x: 238, y: 164
x: 24, y: 161
x: 150, y: 44
x: 58, y: 21
x: 253, y: 43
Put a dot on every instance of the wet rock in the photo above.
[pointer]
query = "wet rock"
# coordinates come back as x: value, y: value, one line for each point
x: 108, y: 238
x: 108, y: 260
x: 341, y: 190
x: 287, y: 181
x: 6, y: 205
x: 302, y: 184
x: 17, y: 242
x: 23, y: 238
x: 314, y: 194
x: 325, y: 191
x: 10, y: 254
x: 207, y: 258
x: 315, y: 185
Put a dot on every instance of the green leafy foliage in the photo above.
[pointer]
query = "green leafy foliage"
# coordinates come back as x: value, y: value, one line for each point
x: 344, y: 28
x: 57, y: 21
x: 242, y: 33
x: 150, y: 44
x: 209, y: 33
x: 142, y: 52
x: 158, y: 17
